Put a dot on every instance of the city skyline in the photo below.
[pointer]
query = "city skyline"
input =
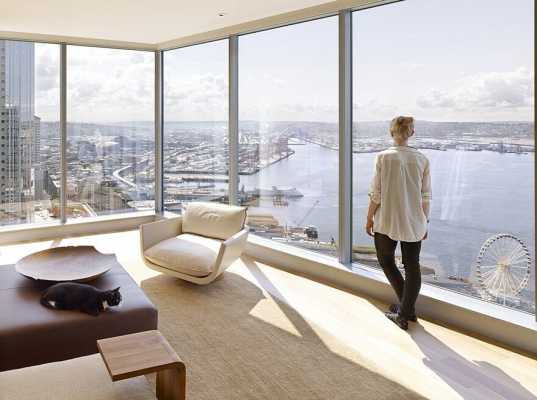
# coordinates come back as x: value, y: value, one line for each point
x: 21, y: 172
x: 110, y: 164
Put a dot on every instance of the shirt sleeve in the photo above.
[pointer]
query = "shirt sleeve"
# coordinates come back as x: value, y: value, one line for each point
x: 426, y: 190
x: 374, y: 189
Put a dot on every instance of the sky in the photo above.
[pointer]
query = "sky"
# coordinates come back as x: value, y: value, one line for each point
x: 438, y: 60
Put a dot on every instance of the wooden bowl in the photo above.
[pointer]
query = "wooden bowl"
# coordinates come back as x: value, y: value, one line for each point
x: 66, y: 264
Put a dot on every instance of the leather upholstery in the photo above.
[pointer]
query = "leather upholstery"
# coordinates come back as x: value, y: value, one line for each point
x: 31, y: 334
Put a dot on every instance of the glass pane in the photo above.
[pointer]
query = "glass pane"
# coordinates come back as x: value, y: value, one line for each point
x: 288, y: 161
x: 29, y: 134
x: 195, y: 125
x: 110, y: 131
x: 465, y: 71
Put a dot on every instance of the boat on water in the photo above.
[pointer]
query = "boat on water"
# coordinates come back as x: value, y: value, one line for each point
x: 287, y: 192
x: 306, y: 243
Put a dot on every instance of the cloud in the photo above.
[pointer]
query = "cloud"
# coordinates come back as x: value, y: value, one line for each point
x: 47, y: 81
x: 107, y: 85
x: 265, y: 109
x: 493, y: 91
x: 411, y: 66
x: 374, y: 110
x: 196, y: 98
x: 47, y: 73
x: 436, y: 99
x: 47, y: 67
x: 103, y: 85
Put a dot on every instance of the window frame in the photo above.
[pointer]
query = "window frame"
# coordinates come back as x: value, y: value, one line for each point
x: 64, y: 102
x: 345, y: 115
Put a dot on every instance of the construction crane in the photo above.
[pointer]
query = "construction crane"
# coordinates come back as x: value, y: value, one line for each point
x: 308, y: 213
x: 310, y: 230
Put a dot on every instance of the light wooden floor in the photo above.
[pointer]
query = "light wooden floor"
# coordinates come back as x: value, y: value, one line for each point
x: 432, y: 360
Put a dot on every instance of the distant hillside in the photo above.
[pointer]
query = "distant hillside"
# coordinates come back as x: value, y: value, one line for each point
x: 366, y: 128
x: 453, y: 129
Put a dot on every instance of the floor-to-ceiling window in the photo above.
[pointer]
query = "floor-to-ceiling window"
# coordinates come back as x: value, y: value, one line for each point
x: 110, y: 131
x: 195, y: 124
x: 288, y: 133
x: 29, y: 132
x: 465, y: 71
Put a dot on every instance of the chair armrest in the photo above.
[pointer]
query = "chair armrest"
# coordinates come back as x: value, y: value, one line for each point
x: 232, y: 248
x: 155, y: 232
x: 237, y: 239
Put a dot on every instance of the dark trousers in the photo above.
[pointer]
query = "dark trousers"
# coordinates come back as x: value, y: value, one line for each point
x: 406, y: 289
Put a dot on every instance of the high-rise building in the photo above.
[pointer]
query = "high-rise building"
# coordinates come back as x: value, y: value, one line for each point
x: 20, y: 169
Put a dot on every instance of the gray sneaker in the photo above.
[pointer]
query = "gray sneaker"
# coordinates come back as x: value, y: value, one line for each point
x: 397, y: 320
x: 394, y: 308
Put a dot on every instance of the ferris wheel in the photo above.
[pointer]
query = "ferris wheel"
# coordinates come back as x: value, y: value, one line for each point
x: 503, y: 267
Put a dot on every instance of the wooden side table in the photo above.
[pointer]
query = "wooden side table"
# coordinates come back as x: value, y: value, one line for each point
x: 143, y: 353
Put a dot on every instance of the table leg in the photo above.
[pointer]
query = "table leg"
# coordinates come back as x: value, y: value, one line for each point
x: 171, y: 384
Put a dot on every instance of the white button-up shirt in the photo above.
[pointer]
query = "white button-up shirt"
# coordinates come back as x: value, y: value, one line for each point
x: 401, y: 183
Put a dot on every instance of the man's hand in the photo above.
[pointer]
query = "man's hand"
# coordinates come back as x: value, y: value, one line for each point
x: 426, y: 235
x: 371, y: 210
x: 369, y: 227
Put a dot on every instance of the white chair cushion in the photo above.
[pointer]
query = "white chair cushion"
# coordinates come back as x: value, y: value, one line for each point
x: 214, y: 220
x: 186, y: 253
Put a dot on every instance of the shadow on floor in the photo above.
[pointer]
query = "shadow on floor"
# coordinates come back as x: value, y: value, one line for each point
x: 469, y: 378
x: 238, y: 343
x: 486, y: 380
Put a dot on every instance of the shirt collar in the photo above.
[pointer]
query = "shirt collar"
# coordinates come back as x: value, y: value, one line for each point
x: 407, y: 148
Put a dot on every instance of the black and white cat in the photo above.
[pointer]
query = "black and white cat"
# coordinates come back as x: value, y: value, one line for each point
x: 77, y: 296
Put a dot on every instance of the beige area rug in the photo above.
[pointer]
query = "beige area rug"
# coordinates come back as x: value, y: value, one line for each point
x: 240, y: 343
x: 83, y: 378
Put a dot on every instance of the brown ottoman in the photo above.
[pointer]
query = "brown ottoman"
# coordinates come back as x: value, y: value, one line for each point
x: 31, y: 334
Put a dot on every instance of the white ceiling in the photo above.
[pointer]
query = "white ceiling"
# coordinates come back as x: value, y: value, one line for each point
x: 141, y: 21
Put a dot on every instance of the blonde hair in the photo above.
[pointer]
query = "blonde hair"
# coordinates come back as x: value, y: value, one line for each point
x: 402, y: 128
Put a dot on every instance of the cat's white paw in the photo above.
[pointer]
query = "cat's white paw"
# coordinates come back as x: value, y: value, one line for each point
x: 52, y: 303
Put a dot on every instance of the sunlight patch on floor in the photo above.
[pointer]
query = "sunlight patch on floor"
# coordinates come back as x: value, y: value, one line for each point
x: 347, y: 331
x: 268, y: 311
x: 12, y: 253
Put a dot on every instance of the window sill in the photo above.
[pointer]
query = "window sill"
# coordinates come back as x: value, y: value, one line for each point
x: 502, y: 325
x: 111, y: 217
x: 74, y: 227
